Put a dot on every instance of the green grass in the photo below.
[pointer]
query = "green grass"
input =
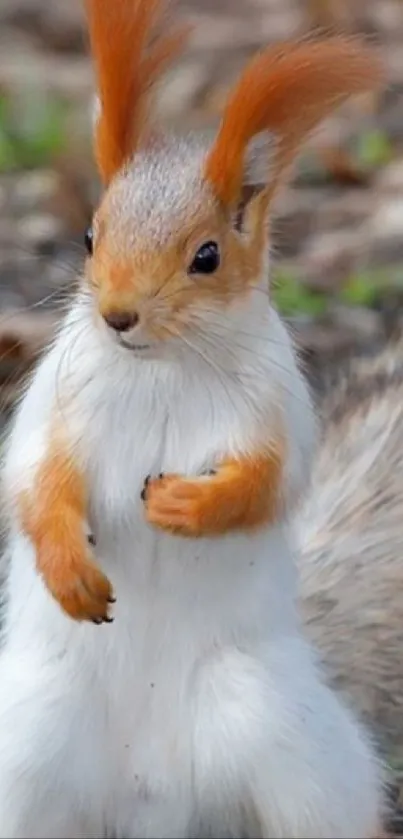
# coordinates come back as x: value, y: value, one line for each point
x: 373, y: 149
x: 366, y: 288
x: 291, y: 297
x: 32, y: 131
x: 367, y: 151
x: 363, y: 288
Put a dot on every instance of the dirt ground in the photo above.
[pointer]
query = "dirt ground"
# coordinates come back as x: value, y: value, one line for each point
x: 338, y: 231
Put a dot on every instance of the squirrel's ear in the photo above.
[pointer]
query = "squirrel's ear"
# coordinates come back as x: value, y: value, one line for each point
x: 129, y: 54
x: 256, y: 166
x: 255, y: 174
x: 95, y: 112
x: 283, y: 94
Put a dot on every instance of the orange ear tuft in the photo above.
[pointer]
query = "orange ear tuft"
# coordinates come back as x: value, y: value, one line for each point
x: 128, y: 58
x: 287, y: 90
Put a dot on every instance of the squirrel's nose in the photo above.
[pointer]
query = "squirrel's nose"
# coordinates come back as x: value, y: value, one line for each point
x: 122, y: 321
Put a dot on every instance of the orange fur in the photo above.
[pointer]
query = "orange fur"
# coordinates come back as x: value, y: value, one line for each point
x: 53, y: 517
x: 155, y: 283
x: 243, y: 494
x: 287, y: 90
x: 129, y: 59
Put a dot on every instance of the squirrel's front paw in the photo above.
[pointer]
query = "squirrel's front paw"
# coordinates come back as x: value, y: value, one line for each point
x: 74, y: 580
x: 177, y: 504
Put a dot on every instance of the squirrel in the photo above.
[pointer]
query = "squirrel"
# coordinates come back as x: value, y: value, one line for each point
x: 349, y: 532
x: 154, y: 676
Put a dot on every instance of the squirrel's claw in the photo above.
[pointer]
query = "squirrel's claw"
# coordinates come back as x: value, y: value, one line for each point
x: 143, y: 493
x: 75, y: 581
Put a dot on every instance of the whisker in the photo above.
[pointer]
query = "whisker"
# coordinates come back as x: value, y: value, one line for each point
x: 215, y: 341
x: 238, y: 375
x: 220, y: 373
x: 72, y: 266
x: 228, y: 326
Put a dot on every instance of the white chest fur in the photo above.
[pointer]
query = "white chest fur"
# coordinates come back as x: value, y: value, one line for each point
x: 194, y: 712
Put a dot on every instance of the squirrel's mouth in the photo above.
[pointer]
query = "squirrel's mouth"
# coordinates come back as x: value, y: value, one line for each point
x: 134, y: 347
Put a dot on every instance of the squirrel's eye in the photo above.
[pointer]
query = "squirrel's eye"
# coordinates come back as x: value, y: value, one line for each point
x: 206, y: 260
x: 88, y: 240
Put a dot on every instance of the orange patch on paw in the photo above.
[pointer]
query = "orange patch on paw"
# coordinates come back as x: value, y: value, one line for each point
x: 242, y: 494
x: 176, y: 504
x: 71, y: 575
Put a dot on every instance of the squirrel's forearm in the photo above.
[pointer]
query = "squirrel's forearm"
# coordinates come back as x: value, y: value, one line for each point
x: 56, y: 502
x: 243, y: 493
x: 54, y: 517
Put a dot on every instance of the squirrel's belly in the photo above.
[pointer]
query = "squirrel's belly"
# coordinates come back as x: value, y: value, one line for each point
x: 178, y: 593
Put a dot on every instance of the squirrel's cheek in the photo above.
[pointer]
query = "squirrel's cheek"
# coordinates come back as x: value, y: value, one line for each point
x: 162, y: 327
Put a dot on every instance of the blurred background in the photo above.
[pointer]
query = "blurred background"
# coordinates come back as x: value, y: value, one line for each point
x: 338, y: 231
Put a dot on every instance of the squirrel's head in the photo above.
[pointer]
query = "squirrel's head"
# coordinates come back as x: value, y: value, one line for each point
x: 180, y: 239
